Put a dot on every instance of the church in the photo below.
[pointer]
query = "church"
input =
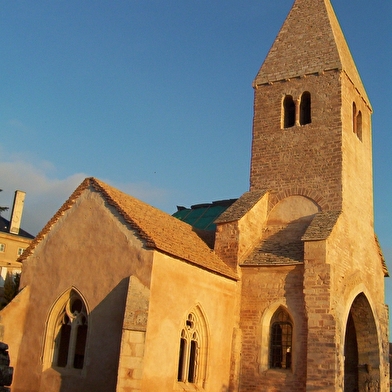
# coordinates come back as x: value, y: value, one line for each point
x: 280, y: 290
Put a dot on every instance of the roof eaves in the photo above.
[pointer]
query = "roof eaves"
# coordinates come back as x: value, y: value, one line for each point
x: 66, y: 206
x: 321, y: 226
x: 227, y: 273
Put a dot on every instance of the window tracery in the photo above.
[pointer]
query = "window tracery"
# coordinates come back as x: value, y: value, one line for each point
x: 193, y: 350
x: 71, y: 334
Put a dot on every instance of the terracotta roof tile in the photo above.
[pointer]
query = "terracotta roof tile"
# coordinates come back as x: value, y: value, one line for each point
x: 159, y: 230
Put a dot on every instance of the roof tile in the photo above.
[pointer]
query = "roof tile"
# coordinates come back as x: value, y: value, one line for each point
x: 159, y: 230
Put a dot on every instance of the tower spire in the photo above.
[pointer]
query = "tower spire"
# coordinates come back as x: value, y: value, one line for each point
x: 310, y: 41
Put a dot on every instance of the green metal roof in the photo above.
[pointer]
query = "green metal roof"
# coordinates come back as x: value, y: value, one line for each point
x: 202, y: 216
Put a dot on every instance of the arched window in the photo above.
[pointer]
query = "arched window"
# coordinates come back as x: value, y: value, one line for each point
x: 305, y: 109
x: 288, y: 112
x: 357, y: 121
x: 70, y: 333
x: 359, y: 125
x: 354, y: 118
x: 193, y: 350
x: 281, y: 335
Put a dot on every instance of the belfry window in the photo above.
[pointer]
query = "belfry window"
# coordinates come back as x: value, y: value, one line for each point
x: 71, y: 334
x: 192, y: 350
x: 359, y: 125
x: 357, y: 121
x: 281, y: 334
x: 288, y: 112
x: 305, y: 109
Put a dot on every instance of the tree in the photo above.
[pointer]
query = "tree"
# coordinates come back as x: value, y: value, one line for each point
x: 11, y: 288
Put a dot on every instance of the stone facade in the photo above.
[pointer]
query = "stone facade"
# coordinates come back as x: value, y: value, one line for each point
x: 118, y: 296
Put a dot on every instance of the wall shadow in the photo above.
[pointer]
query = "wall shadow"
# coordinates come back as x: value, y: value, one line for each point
x: 99, y: 372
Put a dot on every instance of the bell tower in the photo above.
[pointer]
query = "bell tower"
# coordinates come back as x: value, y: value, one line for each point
x: 309, y: 214
x: 312, y: 116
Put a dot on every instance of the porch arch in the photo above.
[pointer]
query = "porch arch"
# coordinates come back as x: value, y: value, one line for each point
x: 361, y: 347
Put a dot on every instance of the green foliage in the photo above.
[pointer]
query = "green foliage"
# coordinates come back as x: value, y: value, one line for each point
x: 11, y: 287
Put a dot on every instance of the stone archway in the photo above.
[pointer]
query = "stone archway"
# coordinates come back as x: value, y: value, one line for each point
x: 361, y: 349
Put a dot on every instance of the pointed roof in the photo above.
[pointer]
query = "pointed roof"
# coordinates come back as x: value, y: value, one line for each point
x: 241, y: 206
x: 156, y: 228
x: 310, y: 41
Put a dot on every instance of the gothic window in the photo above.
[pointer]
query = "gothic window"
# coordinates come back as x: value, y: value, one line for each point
x: 305, y: 109
x: 281, y: 334
x: 70, y: 335
x: 288, y: 112
x: 192, y: 350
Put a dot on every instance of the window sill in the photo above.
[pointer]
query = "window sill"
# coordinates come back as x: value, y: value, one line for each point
x: 69, y: 371
x: 183, y: 386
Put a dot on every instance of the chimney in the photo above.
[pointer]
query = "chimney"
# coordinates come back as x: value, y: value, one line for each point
x: 17, y: 210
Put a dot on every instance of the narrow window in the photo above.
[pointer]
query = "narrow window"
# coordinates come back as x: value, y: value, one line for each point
x: 281, y: 334
x: 181, y: 362
x: 288, y: 112
x: 63, y: 338
x: 20, y: 251
x: 2, y: 248
x: 193, y: 360
x: 359, y: 125
x: 193, y: 350
x: 357, y: 122
x: 71, y: 338
x: 305, y: 109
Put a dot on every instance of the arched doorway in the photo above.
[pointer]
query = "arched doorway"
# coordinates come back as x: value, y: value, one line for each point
x: 361, y: 349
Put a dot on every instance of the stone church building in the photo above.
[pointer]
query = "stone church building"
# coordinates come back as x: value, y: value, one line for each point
x: 282, y: 290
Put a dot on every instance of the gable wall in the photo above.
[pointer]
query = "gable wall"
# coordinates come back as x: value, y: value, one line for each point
x: 176, y: 289
x: 90, y: 249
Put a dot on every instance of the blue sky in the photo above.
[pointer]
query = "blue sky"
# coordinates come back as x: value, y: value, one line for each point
x: 155, y: 97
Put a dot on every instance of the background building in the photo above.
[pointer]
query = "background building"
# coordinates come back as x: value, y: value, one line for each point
x: 13, y: 241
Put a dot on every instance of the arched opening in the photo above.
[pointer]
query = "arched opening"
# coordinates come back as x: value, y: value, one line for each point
x: 361, y: 349
x: 192, y: 358
x: 281, y: 340
x: 359, y: 125
x: 354, y: 118
x: 305, y: 109
x: 288, y: 112
x: 66, y: 336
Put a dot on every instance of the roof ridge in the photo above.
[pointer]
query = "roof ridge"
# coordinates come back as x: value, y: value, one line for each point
x: 101, y: 187
x: 158, y: 229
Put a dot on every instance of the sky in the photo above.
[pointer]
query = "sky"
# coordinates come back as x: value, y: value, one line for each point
x: 156, y: 99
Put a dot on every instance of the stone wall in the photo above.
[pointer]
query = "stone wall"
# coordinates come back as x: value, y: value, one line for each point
x: 307, y: 159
